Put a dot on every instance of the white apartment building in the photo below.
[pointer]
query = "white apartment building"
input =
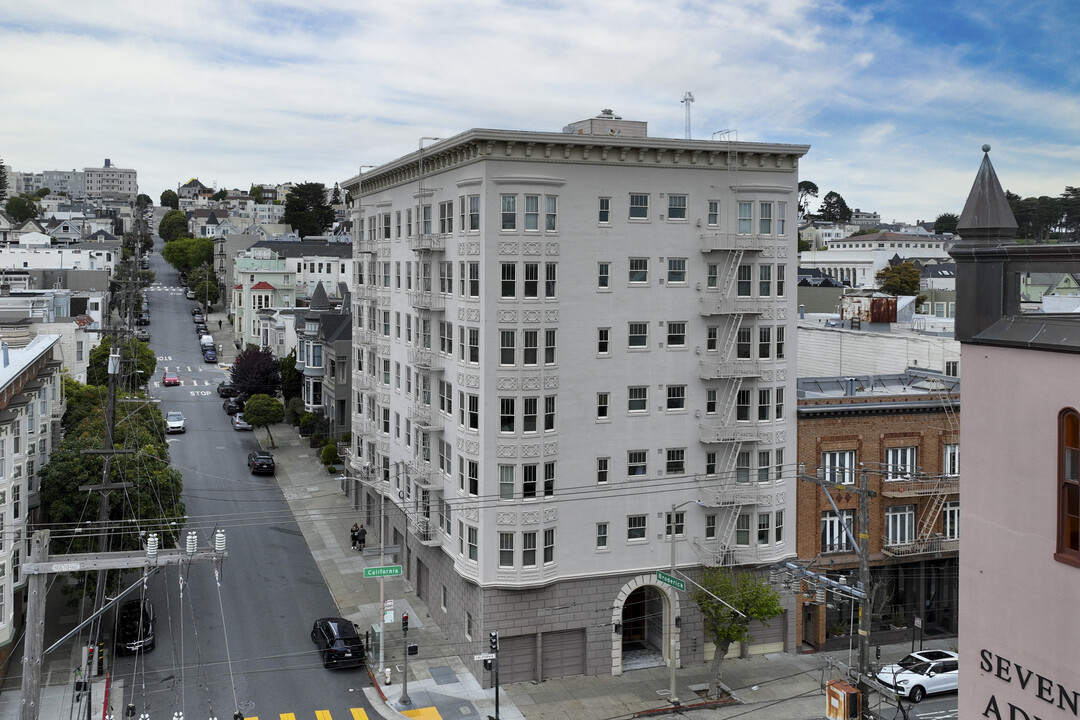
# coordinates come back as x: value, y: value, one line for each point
x: 857, y: 260
x: 561, y: 339
x: 111, y: 183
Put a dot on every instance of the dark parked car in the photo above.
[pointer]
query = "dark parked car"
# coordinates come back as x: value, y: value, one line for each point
x: 226, y: 389
x: 209, y: 355
x: 338, y: 642
x: 197, y: 310
x: 198, y: 319
x: 261, y: 462
x: 143, y: 319
x: 201, y: 330
x: 135, y: 627
x: 232, y: 405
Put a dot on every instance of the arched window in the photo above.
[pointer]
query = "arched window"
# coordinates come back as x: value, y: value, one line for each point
x: 1068, y: 536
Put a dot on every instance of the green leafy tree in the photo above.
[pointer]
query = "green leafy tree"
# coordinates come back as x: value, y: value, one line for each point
x: 946, y: 223
x: 335, y: 197
x: 748, y: 594
x: 169, y: 198
x: 41, y: 193
x: 145, y: 362
x: 834, y: 208
x: 256, y: 193
x: 204, y: 283
x: 173, y: 225
x: 864, y: 231
x: 187, y: 253
x: 902, y: 279
x: 3, y: 180
x: 220, y: 195
x: 256, y: 371
x: 261, y: 410
x: 807, y: 189
x: 307, y: 211
x: 291, y: 380
x: 20, y: 209
x: 1069, y: 209
x: 143, y: 201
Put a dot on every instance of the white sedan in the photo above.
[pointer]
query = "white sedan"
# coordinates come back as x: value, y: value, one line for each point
x: 175, y: 422
x: 922, y: 673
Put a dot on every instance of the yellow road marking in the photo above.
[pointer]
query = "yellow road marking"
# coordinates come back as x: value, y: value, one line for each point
x: 323, y: 715
x: 359, y: 714
x: 287, y: 716
x: 428, y: 713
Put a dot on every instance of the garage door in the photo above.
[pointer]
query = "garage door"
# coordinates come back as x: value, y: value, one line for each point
x: 563, y: 653
x: 517, y: 659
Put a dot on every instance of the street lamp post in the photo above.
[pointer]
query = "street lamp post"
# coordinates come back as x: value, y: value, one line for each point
x: 673, y: 697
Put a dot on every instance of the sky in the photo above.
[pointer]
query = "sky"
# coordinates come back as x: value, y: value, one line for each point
x: 894, y: 97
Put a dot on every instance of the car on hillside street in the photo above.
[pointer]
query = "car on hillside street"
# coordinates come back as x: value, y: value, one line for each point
x: 175, y: 422
x: 338, y: 642
x: 209, y: 355
x: 232, y: 405
x: 170, y: 378
x: 189, y: 294
x: 143, y: 335
x: 922, y: 673
x: 261, y: 461
x: 239, y: 423
x: 226, y: 389
x: 135, y: 627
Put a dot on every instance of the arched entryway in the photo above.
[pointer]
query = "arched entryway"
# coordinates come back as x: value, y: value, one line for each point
x: 641, y: 618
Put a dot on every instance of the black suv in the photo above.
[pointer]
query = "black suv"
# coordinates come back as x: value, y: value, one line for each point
x: 338, y: 642
x: 261, y: 462
x: 232, y: 405
x: 226, y: 389
x: 135, y: 627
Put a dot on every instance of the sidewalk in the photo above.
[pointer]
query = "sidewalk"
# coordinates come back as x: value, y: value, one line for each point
x: 781, y: 686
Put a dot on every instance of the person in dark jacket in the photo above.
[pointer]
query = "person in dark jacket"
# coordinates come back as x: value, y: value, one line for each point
x: 361, y: 537
x: 354, y: 534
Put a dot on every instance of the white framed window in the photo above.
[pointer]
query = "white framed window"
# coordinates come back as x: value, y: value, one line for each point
x: 549, y: 546
x: 764, y: 465
x: 781, y: 218
x: 742, y: 467
x: 676, y: 207
x: 603, y: 215
x: 680, y: 524
x: 778, y: 527
x: 900, y: 463
x: 676, y: 273
x: 509, y: 212
x: 603, y: 402
x: 636, y: 526
x: 676, y: 334
x: 637, y: 399
x: 473, y: 544
x: 764, y: 525
x: 639, y: 271
x: 506, y: 415
x: 638, y: 335
x: 710, y: 527
x: 603, y: 465
x: 765, y: 211
x: 676, y: 397
x: 713, y: 214
x: 833, y: 535
x: 637, y: 463
x: 838, y: 467
x: 675, y: 463
x: 507, y: 347
x: 551, y: 213
x: 742, y: 530
x: 474, y: 213
x: 530, y: 353
x: 532, y: 213
x: 900, y: 525
x: 508, y: 283
x: 530, y: 283
x: 950, y: 520
x: 603, y: 276
x: 712, y: 339
x: 506, y: 482
x: 506, y: 549
x: 950, y: 464
x: 603, y: 341
x: 764, y: 342
x: 710, y: 401
x: 601, y: 536
x: 746, y: 218
x: 744, y: 280
x: 528, y: 549
x: 765, y: 280
x: 639, y: 206
x: 742, y: 405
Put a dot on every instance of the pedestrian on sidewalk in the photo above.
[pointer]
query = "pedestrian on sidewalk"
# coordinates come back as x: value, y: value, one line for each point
x: 354, y: 535
x: 219, y: 324
x: 361, y: 537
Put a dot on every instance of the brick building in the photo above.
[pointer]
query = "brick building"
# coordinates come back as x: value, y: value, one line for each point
x: 903, y: 431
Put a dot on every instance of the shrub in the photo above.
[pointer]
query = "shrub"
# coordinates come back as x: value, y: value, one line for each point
x: 293, y: 410
x: 329, y: 454
x: 307, y: 422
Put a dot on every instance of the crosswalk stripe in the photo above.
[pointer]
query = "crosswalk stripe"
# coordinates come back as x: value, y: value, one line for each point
x: 359, y: 714
x: 287, y: 716
x: 323, y: 715
x: 428, y: 713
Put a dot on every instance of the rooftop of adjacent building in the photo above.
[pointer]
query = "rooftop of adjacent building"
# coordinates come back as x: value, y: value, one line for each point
x: 914, y: 382
x: 13, y: 360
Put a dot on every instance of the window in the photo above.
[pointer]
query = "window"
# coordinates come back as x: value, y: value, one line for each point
x: 506, y: 550
x: 637, y: 462
x: 532, y: 212
x: 549, y: 413
x: 764, y: 524
x: 950, y: 464
x: 1068, y: 541
x: 549, y: 347
x: 530, y: 286
x: 952, y: 368
x: 781, y: 275
x: 781, y: 218
x: 638, y: 335
x: 710, y: 527
x: 602, y: 474
x: 473, y: 543
x: 603, y: 215
x: 509, y: 212
x: 680, y: 524
x: 549, y: 545
x: 950, y: 520
x: 426, y: 214
x: 900, y: 525
x: 900, y: 463
x: 602, y: 405
x: 550, y: 270
x: 635, y: 527
x: 742, y: 530
x: 742, y: 406
x: 639, y: 207
x: 710, y: 463
x: 778, y: 527
x: 474, y: 279
x: 507, y: 343
x: 551, y: 213
x: 713, y: 215
x: 744, y: 281
x: 710, y: 401
x: 529, y: 414
x: 639, y: 270
x: 528, y: 549
x: 676, y: 461
x: 603, y: 341
x: 780, y: 335
x: 764, y: 465
x: 765, y: 280
x: 446, y: 217
x: 838, y: 467
x: 506, y: 415
x: 676, y: 334
x: 473, y: 356
x: 712, y: 276
x: 834, y: 538
x: 549, y: 479
x: 779, y: 403
x: 765, y: 218
x: 529, y: 350
x: 676, y: 207
x: 742, y: 467
x: 637, y: 399
x: 712, y: 338
x: 506, y: 482
x: 746, y: 211
x: 603, y: 276
x: 764, y: 342
x: 601, y: 536
x: 473, y: 412
x: 508, y: 286
x: 676, y: 397
x: 764, y: 408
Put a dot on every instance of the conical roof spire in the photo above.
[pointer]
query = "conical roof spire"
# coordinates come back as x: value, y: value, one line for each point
x: 987, y: 218
x: 319, y: 301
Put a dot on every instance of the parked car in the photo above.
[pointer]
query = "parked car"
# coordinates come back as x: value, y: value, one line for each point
x: 239, y: 423
x: 170, y: 378
x: 189, y: 294
x: 338, y: 641
x: 175, y: 422
x: 143, y: 335
x: 197, y: 310
x: 232, y: 405
x: 198, y: 319
x: 209, y: 355
x: 135, y: 627
x: 143, y: 319
x: 922, y: 673
x: 261, y: 462
x: 145, y: 263
x: 226, y: 389
x: 201, y: 329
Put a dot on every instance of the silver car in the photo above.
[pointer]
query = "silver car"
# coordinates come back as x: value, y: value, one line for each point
x: 239, y: 423
x: 922, y: 673
x: 175, y: 422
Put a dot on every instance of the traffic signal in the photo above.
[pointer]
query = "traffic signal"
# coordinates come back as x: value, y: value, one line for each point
x: 493, y: 640
x: 404, y: 622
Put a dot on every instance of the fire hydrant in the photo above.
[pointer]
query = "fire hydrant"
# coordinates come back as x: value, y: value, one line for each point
x: 386, y: 673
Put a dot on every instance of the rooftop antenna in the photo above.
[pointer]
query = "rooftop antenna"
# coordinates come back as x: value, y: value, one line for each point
x: 687, y: 99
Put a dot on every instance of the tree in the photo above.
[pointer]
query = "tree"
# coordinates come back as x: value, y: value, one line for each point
x: 335, y: 197
x: 220, y: 195
x: 834, y: 209
x: 749, y: 595
x: 188, y: 252
x: 255, y: 371
x: 204, y: 283
x: 173, y: 225
x: 97, y: 372
x: 307, y: 211
x: 20, y: 209
x: 902, y: 279
x: 3, y: 180
x: 169, y: 198
x: 946, y: 223
x: 256, y: 193
x: 864, y: 231
x: 291, y: 381
x: 261, y: 410
x: 143, y: 201
x: 41, y: 193
x: 807, y: 189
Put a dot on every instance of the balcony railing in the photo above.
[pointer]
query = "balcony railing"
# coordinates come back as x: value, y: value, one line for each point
x: 934, y: 545
x: 426, y: 300
x: 717, y: 370
x: 367, y: 292
x: 367, y: 245
x: 734, y: 306
x: 421, y: 472
x: 425, y: 417
x: 433, y: 241
x: 716, y: 432
x: 425, y: 359
x: 729, y: 241
x: 920, y: 488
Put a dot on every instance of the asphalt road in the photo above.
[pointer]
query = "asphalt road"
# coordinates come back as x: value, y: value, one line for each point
x: 241, y: 640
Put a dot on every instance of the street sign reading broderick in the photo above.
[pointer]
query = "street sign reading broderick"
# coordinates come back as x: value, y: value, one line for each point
x: 670, y: 580
x: 384, y: 571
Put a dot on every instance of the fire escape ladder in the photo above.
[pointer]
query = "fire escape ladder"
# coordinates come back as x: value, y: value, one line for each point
x: 928, y: 521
